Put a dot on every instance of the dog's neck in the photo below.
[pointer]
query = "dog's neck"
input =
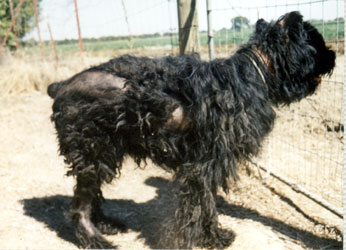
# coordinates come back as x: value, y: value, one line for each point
x: 263, y: 60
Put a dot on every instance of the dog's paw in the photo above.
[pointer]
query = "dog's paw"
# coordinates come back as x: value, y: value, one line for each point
x: 95, y: 242
x: 222, y: 239
x: 110, y: 226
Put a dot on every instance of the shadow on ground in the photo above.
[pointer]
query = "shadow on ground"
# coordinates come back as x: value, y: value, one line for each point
x: 148, y: 217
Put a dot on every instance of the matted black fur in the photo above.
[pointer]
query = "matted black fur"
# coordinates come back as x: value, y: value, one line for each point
x: 196, y: 118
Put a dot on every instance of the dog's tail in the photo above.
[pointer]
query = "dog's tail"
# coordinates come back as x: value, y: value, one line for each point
x: 54, y: 88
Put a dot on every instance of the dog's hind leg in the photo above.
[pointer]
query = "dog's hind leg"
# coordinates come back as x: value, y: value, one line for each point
x: 86, y: 196
x: 93, y: 159
x: 196, y: 222
x: 86, y: 213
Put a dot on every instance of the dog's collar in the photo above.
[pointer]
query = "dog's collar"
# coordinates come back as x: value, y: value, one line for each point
x: 254, y: 63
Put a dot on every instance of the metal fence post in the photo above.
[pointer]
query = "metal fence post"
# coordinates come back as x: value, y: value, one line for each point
x: 78, y: 25
x: 210, y: 30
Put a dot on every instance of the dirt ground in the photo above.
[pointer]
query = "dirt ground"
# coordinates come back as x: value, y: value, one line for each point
x: 35, y: 194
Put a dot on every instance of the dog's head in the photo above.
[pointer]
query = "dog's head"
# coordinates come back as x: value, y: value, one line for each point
x: 297, y: 55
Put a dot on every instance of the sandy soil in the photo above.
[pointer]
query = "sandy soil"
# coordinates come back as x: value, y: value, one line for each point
x: 35, y: 194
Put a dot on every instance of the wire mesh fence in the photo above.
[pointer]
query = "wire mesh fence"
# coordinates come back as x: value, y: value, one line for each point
x: 306, y: 145
x: 115, y: 25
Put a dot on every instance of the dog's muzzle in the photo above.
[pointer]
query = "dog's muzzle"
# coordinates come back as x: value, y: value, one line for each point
x: 318, y: 79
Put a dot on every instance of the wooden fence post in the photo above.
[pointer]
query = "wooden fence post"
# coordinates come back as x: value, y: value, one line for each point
x: 188, y: 27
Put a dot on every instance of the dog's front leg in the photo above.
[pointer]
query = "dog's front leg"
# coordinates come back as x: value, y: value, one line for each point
x: 196, y: 222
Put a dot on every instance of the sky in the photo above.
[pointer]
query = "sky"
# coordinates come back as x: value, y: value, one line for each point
x: 106, y: 17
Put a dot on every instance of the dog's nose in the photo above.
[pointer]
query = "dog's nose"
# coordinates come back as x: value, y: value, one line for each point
x: 318, y: 79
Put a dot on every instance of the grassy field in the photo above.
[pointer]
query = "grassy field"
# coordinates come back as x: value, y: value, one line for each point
x: 98, y: 45
x: 332, y: 31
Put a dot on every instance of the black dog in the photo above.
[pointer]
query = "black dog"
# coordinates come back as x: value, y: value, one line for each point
x: 196, y: 118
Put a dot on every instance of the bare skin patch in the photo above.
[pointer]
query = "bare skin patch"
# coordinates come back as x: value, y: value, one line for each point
x: 178, y: 120
x: 89, y: 82
x: 99, y: 79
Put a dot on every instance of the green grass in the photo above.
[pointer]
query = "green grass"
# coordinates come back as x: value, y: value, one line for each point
x: 99, y: 45
x: 331, y: 30
x: 230, y: 36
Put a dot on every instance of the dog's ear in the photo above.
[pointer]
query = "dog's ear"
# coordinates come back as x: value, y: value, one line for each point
x: 292, y: 23
x: 291, y: 19
x: 261, y: 25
